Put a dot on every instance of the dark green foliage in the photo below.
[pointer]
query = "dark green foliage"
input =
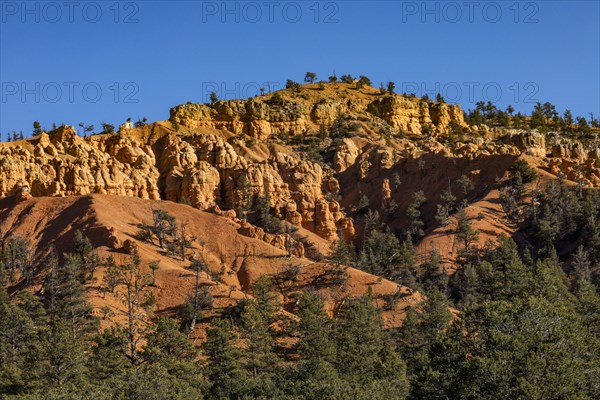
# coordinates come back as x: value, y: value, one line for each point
x: 363, y: 203
x: 347, y: 78
x: 139, y: 123
x: 413, y: 212
x: 192, y: 309
x: 277, y: 100
x: 433, y: 273
x: 109, y: 354
x: 290, y: 84
x: 499, y: 275
x: 519, y: 322
x: 266, y: 220
x: 169, y: 347
x: 364, y: 81
x: 20, y: 348
x: 527, y: 348
x: 544, y: 118
x: 445, y: 207
x: 466, y: 235
x: 342, y: 253
x: 265, y: 297
x: 63, y: 353
x: 513, y: 192
x: 37, y: 128
x: 107, y: 128
x: 164, y: 225
x: 310, y: 77
x: 563, y: 218
x: 365, y: 354
x: 385, y: 255
x: 391, y: 86
x: 83, y: 245
x: 524, y: 170
x: 315, y: 327
x: 15, y: 261
x: 172, y: 237
x: 489, y: 114
x: 465, y: 183
x: 421, y: 329
x: 224, y: 370
x: 155, y: 382
x: 86, y: 128
x: 64, y: 295
x: 85, y: 250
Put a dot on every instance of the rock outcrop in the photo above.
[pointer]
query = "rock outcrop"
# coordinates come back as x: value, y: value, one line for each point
x: 228, y: 154
x: 531, y: 142
x: 310, y: 110
x: 61, y: 164
x: 201, y: 170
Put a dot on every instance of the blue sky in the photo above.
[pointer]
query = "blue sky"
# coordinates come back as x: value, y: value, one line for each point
x: 106, y: 60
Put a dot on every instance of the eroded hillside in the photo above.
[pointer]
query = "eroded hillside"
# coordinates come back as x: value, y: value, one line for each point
x: 284, y: 174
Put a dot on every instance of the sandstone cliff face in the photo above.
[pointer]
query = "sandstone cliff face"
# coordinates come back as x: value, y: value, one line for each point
x: 203, y: 156
x: 308, y: 110
x: 531, y: 142
x: 258, y: 119
x: 202, y: 170
x: 576, y: 162
x: 60, y: 163
x: 412, y: 115
x: 207, y: 171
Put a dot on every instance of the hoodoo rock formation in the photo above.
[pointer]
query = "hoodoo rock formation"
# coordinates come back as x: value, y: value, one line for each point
x: 227, y: 154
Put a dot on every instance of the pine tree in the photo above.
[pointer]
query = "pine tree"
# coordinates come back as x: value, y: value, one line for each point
x: 436, y: 316
x: 433, y: 273
x: 37, y: 128
x: 466, y: 235
x: 259, y: 358
x: 164, y: 225
x: 133, y: 293
x: 364, y: 352
x: 315, y: 346
x: 85, y: 250
x: 64, y: 354
x: 267, y: 300
x: 358, y: 340
x: 412, y: 342
x: 20, y: 349
x: 109, y: 354
x: 154, y: 266
x: 391, y: 87
x: 341, y: 253
x: 267, y: 221
x: 465, y: 183
x: 310, y: 77
x: 224, y: 369
x: 191, y: 311
x: 171, y: 349
x: 66, y: 296
x: 589, y: 305
x: 413, y: 212
x: 444, y: 209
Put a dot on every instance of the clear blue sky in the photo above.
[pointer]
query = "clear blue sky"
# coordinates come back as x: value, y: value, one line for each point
x: 147, y: 56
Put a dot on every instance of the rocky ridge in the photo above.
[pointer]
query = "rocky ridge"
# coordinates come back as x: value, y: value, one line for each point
x: 212, y: 155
